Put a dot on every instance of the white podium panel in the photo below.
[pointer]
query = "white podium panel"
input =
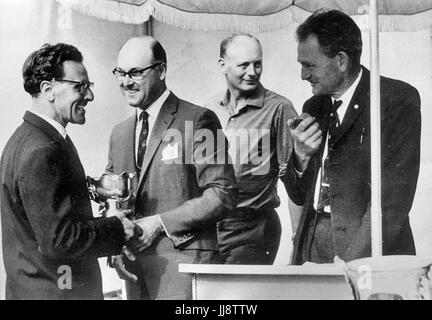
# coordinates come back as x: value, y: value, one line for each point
x: 259, y: 282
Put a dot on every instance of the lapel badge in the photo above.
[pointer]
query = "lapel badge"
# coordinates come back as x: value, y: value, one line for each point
x: 356, y: 106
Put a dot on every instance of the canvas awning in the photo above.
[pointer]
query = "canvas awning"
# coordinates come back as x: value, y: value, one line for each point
x: 253, y: 15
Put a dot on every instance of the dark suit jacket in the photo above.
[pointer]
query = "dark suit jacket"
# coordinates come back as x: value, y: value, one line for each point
x: 190, y: 197
x: 47, y: 221
x: 350, y: 173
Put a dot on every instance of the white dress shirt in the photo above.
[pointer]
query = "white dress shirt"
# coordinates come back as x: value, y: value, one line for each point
x: 341, y: 111
x: 347, y: 96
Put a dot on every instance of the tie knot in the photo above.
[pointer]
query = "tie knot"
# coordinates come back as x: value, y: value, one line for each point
x: 143, y: 116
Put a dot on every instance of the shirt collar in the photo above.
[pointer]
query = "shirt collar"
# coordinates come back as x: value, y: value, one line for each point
x: 154, y: 108
x: 347, y: 95
x: 55, y: 124
x: 256, y: 99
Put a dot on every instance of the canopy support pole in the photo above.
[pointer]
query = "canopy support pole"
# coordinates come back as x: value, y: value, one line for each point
x: 375, y: 115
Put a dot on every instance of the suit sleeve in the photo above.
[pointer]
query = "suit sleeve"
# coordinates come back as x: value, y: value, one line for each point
x: 298, y: 186
x: 214, y: 177
x: 59, y: 210
x: 400, y: 149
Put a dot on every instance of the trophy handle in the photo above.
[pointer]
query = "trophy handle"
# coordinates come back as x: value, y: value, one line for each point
x: 129, y: 177
x: 92, y: 190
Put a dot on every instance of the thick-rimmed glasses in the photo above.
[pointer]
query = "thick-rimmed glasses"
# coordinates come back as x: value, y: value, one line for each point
x: 80, y: 86
x: 134, y: 73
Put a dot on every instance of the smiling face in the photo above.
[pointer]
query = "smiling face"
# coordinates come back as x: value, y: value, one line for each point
x: 323, y: 73
x: 68, y: 101
x: 242, y: 64
x: 137, y: 53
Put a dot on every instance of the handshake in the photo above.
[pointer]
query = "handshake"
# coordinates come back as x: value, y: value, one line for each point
x: 140, y: 234
x: 113, y: 192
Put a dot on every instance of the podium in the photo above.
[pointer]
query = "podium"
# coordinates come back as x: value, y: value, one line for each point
x: 263, y: 282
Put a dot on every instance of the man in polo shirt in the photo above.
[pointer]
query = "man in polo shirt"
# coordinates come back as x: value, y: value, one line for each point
x: 254, y: 121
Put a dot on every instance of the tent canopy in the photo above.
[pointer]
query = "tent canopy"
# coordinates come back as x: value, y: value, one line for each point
x: 253, y: 15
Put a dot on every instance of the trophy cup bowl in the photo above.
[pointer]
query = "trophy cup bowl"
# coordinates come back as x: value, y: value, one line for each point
x: 111, y: 191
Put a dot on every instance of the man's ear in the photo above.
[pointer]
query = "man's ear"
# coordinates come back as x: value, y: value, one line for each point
x: 343, y: 61
x: 162, y: 71
x: 46, y: 89
x: 222, y: 65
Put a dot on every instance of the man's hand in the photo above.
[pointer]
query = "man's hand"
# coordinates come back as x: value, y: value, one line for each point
x: 307, y: 137
x: 117, y: 262
x: 130, y: 229
x: 152, y: 227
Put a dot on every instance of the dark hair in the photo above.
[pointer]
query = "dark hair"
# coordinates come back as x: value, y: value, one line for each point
x: 335, y: 32
x: 46, y: 64
x: 159, y: 53
x: 227, y: 42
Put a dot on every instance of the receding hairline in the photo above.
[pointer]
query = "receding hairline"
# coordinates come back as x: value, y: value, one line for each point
x: 235, y: 38
x: 140, y: 41
x: 147, y: 44
x: 238, y: 36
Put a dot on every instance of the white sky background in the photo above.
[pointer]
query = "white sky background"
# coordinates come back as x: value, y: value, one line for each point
x: 193, y: 75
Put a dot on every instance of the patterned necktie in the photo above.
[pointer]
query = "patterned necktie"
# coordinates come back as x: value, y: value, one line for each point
x: 142, y: 142
x: 334, y: 123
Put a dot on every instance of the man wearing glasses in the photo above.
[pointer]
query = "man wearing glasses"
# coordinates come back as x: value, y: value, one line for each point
x: 51, y: 241
x: 178, y: 199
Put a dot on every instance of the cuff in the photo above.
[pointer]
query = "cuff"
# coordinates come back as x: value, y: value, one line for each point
x: 165, y: 229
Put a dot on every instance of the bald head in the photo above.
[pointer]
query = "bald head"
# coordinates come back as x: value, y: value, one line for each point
x: 238, y: 40
x: 144, y: 50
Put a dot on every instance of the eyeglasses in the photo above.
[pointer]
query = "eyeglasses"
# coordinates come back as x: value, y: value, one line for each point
x: 80, y: 86
x: 134, y: 73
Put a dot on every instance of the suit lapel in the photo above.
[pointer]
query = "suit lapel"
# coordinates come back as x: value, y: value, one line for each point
x: 359, y: 102
x: 71, y: 145
x: 161, y: 125
x: 129, y: 163
x: 56, y: 136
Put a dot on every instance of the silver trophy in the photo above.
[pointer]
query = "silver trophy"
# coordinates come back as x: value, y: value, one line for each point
x: 113, y: 192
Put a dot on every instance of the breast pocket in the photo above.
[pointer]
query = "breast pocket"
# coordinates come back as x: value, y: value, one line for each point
x: 171, y: 180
